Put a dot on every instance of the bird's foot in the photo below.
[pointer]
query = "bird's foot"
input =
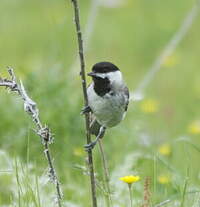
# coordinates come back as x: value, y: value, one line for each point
x: 85, y: 110
x: 90, y: 146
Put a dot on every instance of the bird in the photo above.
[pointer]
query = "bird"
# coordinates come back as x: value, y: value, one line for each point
x: 108, y: 99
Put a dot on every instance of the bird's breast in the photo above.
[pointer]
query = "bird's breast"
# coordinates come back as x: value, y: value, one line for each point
x: 109, y: 109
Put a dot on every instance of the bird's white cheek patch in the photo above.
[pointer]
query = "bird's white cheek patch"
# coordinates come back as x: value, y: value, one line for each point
x: 115, y: 77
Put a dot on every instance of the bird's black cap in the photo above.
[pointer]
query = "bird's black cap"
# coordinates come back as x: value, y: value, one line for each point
x: 104, y: 67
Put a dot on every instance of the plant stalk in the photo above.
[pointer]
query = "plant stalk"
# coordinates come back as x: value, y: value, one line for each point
x: 130, y: 194
x: 87, y: 116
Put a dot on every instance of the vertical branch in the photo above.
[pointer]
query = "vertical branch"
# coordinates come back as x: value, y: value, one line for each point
x: 87, y: 118
x: 87, y: 33
x: 43, y: 131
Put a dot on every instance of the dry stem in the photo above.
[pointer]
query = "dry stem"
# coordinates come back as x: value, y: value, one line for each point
x: 147, y: 193
x: 87, y: 118
x: 42, y: 130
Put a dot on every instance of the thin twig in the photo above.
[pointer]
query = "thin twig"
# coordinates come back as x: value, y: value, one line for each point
x: 138, y: 93
x: 88, y: 31
x: 87, y: 117
x: 106, y: 174
x: 42, y: 130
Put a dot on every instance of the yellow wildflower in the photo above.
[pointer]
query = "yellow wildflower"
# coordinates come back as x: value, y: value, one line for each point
x: 149, y: 106
x: 194, y: 127
x: 164, y: 149
x: 164, y: 179
x: 130, y: 179
x: 171, y: 61
x: 78, y: 151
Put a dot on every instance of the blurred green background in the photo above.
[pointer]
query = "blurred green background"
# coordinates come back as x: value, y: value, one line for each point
x: 160, y: 136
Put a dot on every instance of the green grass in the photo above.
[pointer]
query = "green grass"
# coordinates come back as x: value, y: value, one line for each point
x: 38, y: 39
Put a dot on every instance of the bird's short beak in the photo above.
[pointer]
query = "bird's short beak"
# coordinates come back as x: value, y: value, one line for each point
x: 92, y: 74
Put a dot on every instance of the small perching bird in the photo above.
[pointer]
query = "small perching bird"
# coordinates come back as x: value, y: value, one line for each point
x: 108, y: 99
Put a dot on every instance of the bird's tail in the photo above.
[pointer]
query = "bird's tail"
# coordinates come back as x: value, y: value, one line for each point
x: 95, y: 127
